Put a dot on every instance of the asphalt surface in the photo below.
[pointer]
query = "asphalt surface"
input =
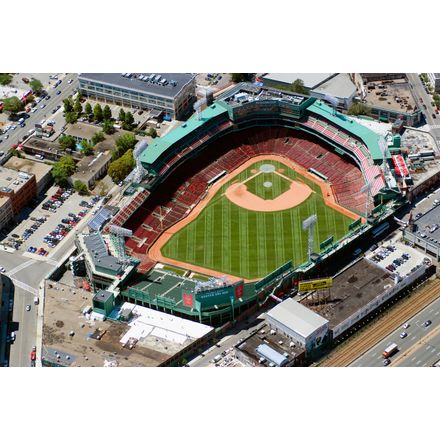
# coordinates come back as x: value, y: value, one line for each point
x: 418, y: 91
x: 425, y: 356
x: 15, y: 136
x: 416, y: 331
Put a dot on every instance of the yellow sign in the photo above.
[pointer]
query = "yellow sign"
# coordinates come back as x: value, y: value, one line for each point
x: 323, y: 283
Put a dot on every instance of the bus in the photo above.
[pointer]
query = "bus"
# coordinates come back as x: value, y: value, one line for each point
x: 390, y: 350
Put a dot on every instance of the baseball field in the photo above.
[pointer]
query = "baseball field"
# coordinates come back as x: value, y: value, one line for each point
x: 251, y: 222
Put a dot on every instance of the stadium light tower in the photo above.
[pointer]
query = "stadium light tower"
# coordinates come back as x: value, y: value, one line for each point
x: 367, y: 189
x: 309, y: 224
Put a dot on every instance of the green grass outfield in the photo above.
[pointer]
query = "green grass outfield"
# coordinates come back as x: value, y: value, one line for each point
x: 249, y: 244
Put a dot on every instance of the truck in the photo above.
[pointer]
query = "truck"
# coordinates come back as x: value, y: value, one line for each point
x: 390, y: 350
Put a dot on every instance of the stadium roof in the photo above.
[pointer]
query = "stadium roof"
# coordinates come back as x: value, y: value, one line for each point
x: 97, y: 251
x: 311, y: 80
x: 370, y: 138
x: 104, y: 214
x: 340, y: 86
x: 136, y: 84
x: 297, y: 317
x: 160, y: 145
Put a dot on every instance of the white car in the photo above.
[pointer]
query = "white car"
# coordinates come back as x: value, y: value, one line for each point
x: 13, y: 127
x: 406, y: 325
x: 42, y: 105
x: 6, y: 136
x: 2, y: 269
x: 28, y: 308
x: 403, y: 335
x: 70, y: 81
x: 34, y: 109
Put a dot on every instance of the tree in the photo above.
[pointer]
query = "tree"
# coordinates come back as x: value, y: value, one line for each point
x: 64, y: 168
x: 71, y: 117
x: 241, y: 77
x: 86, y: 147
x: 13, y: 105
x: 88, y: 109
x: 357, y: 108
x: 121, y: 116
x: 36, y: 86
x: 107, y: 113
x: 298, y: 87
x: 80, y: 187
x: 103, y: 188
x: 152, y: 132
x: 107, y: 127
x: 98, y: 137
x: 97, y: 112
x: 67, y: 142
x: 120, y: 168
x: 68, y: 105
x: 77, y: 108
x: 5, y: 79
x: 124, y: 143
x: 128, y: 122
x: 15, y: 152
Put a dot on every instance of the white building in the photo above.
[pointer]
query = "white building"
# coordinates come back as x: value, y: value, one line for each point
x: 434, y: 79
x: 298, y: 323
x: 341, y: 87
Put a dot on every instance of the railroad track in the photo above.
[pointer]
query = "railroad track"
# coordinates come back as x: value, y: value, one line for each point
x: 384, y: 326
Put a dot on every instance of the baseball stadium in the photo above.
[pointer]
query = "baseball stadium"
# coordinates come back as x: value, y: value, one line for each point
x: 246, y: 197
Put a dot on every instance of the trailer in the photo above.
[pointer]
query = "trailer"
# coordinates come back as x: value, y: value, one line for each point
x: 390, y: 350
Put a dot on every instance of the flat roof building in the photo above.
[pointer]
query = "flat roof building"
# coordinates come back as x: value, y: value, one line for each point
x: 42, y: 171
x: 6, y: 212
x: 434, y: 79
x: 299, y: 323
x: 171, y: 93
x: 310, y: 80
x: 20, y: 187
x: 91, y: 168
x: 340, y: 86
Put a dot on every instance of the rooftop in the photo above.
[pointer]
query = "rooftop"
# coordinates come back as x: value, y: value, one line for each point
x: 97, y: 251
x: 82, y: 130
x: 352, y: 289
x: 12, y: 180
x: 160, y: 145
x: 39, y: 169
x: 88, y: 166
x: 339, y: 86
x: 311, y: 80
x: 147, y: 339
x: 296, y: 316
x: 175, y: 82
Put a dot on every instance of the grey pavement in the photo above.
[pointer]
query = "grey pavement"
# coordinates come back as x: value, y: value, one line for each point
x: 425, y: 356
x: 416, y: 331
x: 15, y: 136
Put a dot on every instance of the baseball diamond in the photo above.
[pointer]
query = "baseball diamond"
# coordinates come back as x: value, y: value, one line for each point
x: 251, y: 242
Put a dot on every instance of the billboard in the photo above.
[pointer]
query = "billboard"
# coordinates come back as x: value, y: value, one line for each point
x: 188, y: 300
x: 239, y: 290
x: 323, y: 283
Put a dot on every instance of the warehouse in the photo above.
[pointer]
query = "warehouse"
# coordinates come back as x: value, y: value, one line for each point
x: 299, y: 323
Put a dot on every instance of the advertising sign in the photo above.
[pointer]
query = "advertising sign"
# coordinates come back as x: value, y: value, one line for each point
x: 323, y: 283
x: 188, y: 300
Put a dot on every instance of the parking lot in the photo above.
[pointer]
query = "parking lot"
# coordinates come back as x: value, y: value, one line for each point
x: 397, y: 257
x: 49, y: 226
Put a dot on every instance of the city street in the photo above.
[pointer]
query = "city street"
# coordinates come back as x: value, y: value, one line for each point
x: 418, y: 91
x: 416, y: 331
x: 15, y: 136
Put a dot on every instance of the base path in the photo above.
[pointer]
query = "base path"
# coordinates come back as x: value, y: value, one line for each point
x: 155, y: 250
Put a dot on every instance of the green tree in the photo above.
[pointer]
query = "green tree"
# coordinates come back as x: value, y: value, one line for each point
x: 241, y: 77
x: 68, y: 105
x: 120, y: 168
x: 86, y: 147
x: 128, y: 121
x: 97, y: 112
x: 124, y: 143
x: 13, y: 105
x: 77, y: 108
x: 71, y: 117
x: 63, y: 169
x: 298, y: 87
x: 80, y: 187
x: 36, y: 86
x: 67, y: 142
x: 121, y: 116
x: 152, y: 132
x: 106, y: 113
x: 88, y: 109
x: 15, y: 152
x: 357, y: 108
x: 98, y: 137
x: 5, y: 79
x: 107, y: 127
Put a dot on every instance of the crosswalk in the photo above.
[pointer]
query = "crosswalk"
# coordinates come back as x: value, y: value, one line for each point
x: 433, y: 127
x: 21, y: 267
x: 24, y: 286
